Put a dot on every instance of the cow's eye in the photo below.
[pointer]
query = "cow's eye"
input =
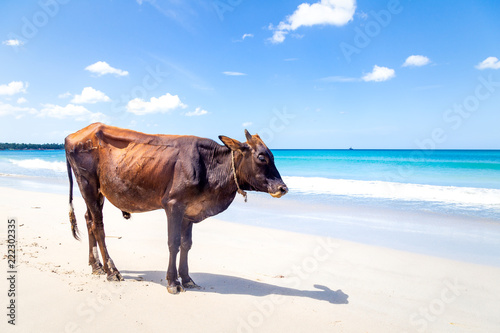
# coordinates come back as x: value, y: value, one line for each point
x: 261, y: 158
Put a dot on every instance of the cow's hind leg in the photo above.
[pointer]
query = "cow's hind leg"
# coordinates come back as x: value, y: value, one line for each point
x: 186, y: 243
x: 98, y: 230
x: 93, y: 252
x: 94, y: 200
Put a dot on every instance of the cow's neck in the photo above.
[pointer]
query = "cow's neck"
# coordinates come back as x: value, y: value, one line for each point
x: 220, y: 171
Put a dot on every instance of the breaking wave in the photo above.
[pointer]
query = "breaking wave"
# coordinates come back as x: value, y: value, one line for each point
x: 39, y: 164
x: 464, y: 196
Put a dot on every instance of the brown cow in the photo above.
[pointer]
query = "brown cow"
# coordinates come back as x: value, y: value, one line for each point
x: 191, y: 178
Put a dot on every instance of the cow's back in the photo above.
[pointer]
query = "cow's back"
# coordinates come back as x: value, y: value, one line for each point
x: 134, y: 170
x: 118, y: 137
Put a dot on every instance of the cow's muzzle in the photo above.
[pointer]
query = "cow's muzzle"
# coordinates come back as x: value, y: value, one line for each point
x: 282, y: 190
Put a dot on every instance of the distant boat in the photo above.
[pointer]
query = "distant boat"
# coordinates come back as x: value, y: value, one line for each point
x: 351, y: 148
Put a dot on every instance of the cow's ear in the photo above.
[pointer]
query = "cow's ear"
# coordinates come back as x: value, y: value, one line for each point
x: 248, y: 136
x: 232, y: 143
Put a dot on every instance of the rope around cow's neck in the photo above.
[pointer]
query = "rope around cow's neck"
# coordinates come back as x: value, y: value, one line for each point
x: 240, y: 191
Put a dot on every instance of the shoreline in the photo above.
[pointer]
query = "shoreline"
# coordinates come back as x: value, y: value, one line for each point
x: 255, y: 279
x: 450, y: 234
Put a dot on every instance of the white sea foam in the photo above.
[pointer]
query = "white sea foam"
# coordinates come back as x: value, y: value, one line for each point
x: 467, y: 196
x: 37, y: 164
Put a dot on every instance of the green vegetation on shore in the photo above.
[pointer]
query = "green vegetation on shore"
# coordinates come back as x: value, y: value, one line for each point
x: 26, y: 146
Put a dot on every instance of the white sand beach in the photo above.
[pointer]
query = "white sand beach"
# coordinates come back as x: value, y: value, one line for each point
x: 254, y: 279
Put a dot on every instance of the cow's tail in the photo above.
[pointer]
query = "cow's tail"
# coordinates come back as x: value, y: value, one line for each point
x: 72, y: 217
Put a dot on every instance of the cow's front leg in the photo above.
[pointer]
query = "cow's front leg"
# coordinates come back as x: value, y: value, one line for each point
x: 175, y: 215
x: 186, y: 243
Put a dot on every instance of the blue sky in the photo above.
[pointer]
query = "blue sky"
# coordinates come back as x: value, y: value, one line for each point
x: 324, y: 74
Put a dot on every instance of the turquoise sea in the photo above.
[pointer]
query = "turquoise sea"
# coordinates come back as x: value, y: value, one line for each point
x: 470, y: 168
x: 454, y: 181
x: 442, y: 202
x: 460, y: 181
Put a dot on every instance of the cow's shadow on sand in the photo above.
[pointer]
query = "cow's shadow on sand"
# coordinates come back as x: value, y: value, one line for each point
x: 232, y: 285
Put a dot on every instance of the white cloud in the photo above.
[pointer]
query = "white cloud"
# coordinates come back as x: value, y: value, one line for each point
x: 8, y: 109
x: 197, y: 112
x: 101, y: 68
x: 278, y: 36
x: 78, y: 112
x: 379, y: 74
x: 247, y: 124
x: 161, y: 104
x: 91, y: 96
x: 233, y: 73
x: 65, y: 95
x: 22, y: 100
x: 416, y: 60
x: 324, y: 12
x: 12, y: 42
x: 15, y: 87
x: 490, y: 62
x: 243, y: 38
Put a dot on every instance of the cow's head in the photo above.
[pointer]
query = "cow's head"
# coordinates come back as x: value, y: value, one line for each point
x: 254, y: 165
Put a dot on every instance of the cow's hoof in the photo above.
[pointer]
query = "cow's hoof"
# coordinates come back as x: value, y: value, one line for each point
x: 191, y: 285
x: 176, y: 289
x: 115, y: 276
x: 98, y: 270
